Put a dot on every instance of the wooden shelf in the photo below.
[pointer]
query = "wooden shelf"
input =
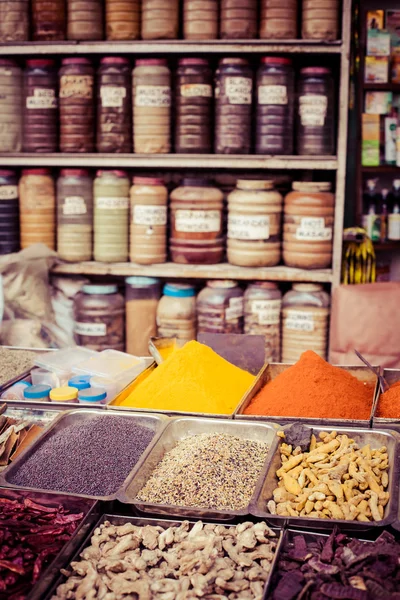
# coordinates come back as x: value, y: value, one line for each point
x: 387, y: 246
x: 381, y: 169
x: 382, y: 87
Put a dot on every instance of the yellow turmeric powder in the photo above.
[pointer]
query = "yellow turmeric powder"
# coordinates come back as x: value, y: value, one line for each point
x: 193, y: 379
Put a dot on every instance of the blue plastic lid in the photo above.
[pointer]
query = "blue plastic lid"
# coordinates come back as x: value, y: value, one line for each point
x: 35, y: 392
x: 179, y: 290
x: 81, y: 382
x: 94, y: 394
x: 141, y: 281
x: 27, y: 383
x: 99, y: 289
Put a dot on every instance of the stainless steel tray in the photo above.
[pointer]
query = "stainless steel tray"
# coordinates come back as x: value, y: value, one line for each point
x: 391, y: 376
x: 272, y: 370
x: 153, y: 422
x: 35, y: 412
x: 177, y: 430
x: 264, y: 490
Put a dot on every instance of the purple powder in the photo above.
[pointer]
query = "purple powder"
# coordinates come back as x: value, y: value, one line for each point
x: 92, y: 457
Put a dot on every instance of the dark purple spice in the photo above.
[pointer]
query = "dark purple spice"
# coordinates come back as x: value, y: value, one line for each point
x: 92, y: 457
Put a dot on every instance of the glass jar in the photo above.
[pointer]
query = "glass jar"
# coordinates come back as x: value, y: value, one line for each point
x: 99, y: 317
x: 76, y: 105
x: 114, y: 110
x: 194, y: 103
x: 85, y: 20
x: 14, y: 21
x: 48, y: 20
x: 111, y: 216
x: 315, y: 119
x: 152, y: 106
x: 200, y: 19
x: 196, y: 223
x: 308, y: 225
x: 278, y: 20
x: 10, y: 106
x: 40, y: 132
x: 275, y: 106
x: 254, y: 224
x: 122, y: 20
x: 320, y: 20
x: 262, y: 316
x: 148, y: 230
x: 37, y: 203
x: 9, y: 212
x: 238, y: 19
x: 233, y: 100
x: 220, y: 308
x: 305, y: 321
x: 141, y: 300
x: 160, y: 19
x: 74, y: 215
x: 176, y: 312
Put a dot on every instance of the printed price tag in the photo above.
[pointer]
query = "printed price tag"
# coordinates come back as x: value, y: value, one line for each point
x: 153, y: 95
x: 112, y: 96
x: 313, y: 109
x: 149, y: 215
x: 197, y: 221
x: 272, y: 94
x: 297, y: 320
x: 238, y: 90
x: 241, y: 227
x: 191, y: 90
x: 91, y: 329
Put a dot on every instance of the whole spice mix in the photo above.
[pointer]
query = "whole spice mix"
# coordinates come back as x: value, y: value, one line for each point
x: 14, y: 363
x: 389, y: 403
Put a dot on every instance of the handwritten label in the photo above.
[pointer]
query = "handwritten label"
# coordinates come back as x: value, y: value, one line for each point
x: 91, y: 329
x: 242, y: 227
x: 42, y: 99
x: 313, y: 109
x: 238, y: 90
x: 149, y: 215
x: 112, y: 96
x: 197, y: 221
x: 153, y: 95
x: 297, y: 320
x: 74, y: 205
x: 272, y: 94
x: 313, y: 229
x: 8, y: 192
x: 79, y: 86
x: 191, y: 90
x: 112, y: 203
x: 235, y: 309
x: 268, y: 311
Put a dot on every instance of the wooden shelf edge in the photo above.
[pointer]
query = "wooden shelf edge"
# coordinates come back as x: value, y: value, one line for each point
x: 381, y: 169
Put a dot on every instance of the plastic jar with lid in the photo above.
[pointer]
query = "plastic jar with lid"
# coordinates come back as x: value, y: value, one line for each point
x: 14, y: 21
x: 37, y: 393
x: 194, y: 104
x: 233, y: 100
x: 148, y: 226
x: 176, y: 312
x: 114, y: 105
x: 122, y: 20
x: 254, y: 224
x: 315, y: 113
x: 160, y: 19
x: 85, y: 20
x: 99, y: 317
x: 151, y: 94
x: 37, y: 203
x: 111, y: 216
x: 64, y: 393
x: 275, y: 106
x: 308, y: 225
x: 48, y: 20
x: 74, y: 215
x: 278, y: 20
x: 15, y: 391
x: 40, y: 132
x: 305, y: 321
x: 196, y: 225
x: 220, y: 308
x: 11, y: 101
x: 262, y: 316
x: 320, y: 20
x: 238, y: 19
x: 76, y: 105
x: 141, y: 296
x: 92, y: 395
x: 9, y: 212
x: 200, y: 19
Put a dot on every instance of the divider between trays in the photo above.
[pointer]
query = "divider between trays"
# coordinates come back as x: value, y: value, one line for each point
x: 392, y: 376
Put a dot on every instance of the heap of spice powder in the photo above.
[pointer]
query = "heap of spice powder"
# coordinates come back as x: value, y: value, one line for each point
x: 314, y: 388
x: 389, y: 403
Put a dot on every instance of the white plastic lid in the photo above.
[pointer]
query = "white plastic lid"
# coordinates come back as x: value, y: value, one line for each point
x: 112, y: 364
x: 62, y: 361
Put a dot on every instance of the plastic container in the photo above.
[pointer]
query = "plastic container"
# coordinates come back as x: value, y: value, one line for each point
x: 278, y: 19
x: 49, y: 20
x: 11, y: 104
x: 141, y: 295
x: 61, y: 361
x: 40, y: 132
x: 64, y: 394
x: 16, y: 391
x: 238, y: 19
x: 37, y: 203
x: 81, y: 382
x: 160, y: 19
x: 9, y: 212
x: 37, y: 393
x: 262, y: 316
x: 107, y: 384
x: 200, y: 19
x: 120, y: 367
x: 41, y: 376
x: 14, y: 21
x: 220, y: 308
x: 320, y: 20
x: 122, y: 20
x: 92, y: 396
x: 176, y: 312
x: 85, y: 20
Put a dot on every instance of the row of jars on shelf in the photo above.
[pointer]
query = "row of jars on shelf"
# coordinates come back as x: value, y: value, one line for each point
x: 74, y: 111
x: 298, y: 321
x: 132, y: 221
x: 86, y: 20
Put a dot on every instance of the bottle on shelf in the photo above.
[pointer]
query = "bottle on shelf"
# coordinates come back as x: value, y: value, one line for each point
x: 14, y: 21
x: 200, y: 19
x: 37, y: 202
x: 176, y: 312
x: 394, y: 213
x: 9, y: 212
x: 85, y: 20
x: 160, y: 19
x: 383, y: 216
x: 48, y: 20
x: 390, y: 129
x: 40, y: 114
x: 371, y: 203
x: 10, y: 106
x: 122, y: 20
x: 220, y: 308
x: 238, y: 19
x: 278, y: 19
x: 320, y: 19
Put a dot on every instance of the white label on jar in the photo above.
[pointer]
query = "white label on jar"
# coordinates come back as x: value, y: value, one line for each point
x: 238, y: 90
x: 149, y: 215
x: 242, y: 227
x: 153, y: 95
x: 8, y: 192
x: 191, y: 90
x: 272, y: 94
x: 197, y: 221
x: 74, y: 205
x: 313, y: 109
x: 80, y: 86
x: 394, y: 226
x: 112, y: 96
x: 235, y: 309
x: 267, y: 311
x: 111, y: 203
x: 313, y: 229
x: 298, y: 320
x: 91, y: 329
x: 42, y: 98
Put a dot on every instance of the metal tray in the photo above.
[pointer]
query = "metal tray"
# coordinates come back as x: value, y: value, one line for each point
x: 91, y: 510
x: 177, y: 430
x: 35, y: 412
x: 158, y: 343
x: 4, y: 386
x: 142, y: 522
x: 272, y: 370
x: 391, y: 376
x: 154, y: 422
x: 377, y: 439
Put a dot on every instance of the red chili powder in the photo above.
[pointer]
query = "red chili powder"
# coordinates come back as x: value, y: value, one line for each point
x: 389, y: 403
x: 314, y: 388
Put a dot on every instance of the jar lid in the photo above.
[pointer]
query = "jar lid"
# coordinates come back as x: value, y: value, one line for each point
x: 315, y: 71
x: 222, y: 283
x: 116, y: 173
x: 40, y: 62
x: 307, y: 287
x: 147, y: 181
x: 179, y: 290
x: 148, y: 62
x: 36, y: 172
x: 7, y: 173
x: 64, y: 393
x: 114, y: 60
x: 7, y: 62
x: 311, y: 186
x: 101, y: 288
x: 74, y: 173
x: 94, y: 394
x: 183, y: 62
x: 265, y: 285
x: 255, y: 184
x: 276, y: 60
x: 196, y: 182
x: 141, y: 281
x: 234, y: 61
x: 34, y: 392
x: 81, y: 382
x: 78, y: 60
